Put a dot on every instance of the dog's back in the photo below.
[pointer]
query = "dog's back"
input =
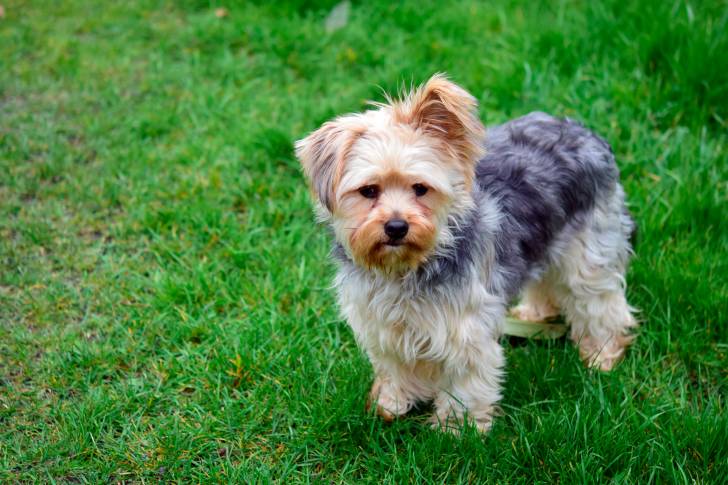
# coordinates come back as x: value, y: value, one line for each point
x: 547, y: 174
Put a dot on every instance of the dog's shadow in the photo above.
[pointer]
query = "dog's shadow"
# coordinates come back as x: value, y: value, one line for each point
x: 538, y: 372
x: 539, y: 375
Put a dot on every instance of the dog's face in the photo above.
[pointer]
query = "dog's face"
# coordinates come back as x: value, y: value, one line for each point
x: 389, y: 178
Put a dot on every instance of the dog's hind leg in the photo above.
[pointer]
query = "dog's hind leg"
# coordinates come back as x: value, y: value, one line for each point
x: 591, y: 284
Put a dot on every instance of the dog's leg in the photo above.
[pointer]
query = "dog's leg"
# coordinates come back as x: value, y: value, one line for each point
x: 591, y: 292
x: 397, y: 386
x: 600, y: 326
x: 389, y: 399
x: 537, y: 302
x: 471, y: 381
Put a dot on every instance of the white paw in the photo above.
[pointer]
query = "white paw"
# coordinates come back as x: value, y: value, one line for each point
x: 390, y: 404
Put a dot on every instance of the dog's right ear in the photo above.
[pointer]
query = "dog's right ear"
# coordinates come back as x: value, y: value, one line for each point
x: 448, y: 113
x: 323, y: 156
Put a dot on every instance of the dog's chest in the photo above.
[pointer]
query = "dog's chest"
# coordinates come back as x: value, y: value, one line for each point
x: 402, y: 324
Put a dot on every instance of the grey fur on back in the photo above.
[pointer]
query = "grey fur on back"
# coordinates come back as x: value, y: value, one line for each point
x: 546, y: 173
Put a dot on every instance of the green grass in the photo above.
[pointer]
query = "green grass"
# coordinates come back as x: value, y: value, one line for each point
x: 165, y: 311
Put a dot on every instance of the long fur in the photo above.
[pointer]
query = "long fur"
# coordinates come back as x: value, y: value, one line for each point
x: 542, y: 213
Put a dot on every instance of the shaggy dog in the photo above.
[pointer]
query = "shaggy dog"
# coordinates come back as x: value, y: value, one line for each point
x: 438, y: 228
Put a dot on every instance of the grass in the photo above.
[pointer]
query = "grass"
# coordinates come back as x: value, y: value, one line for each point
x: 165, y: 312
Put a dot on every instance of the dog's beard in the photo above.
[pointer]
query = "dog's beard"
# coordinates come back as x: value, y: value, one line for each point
x: 371, y: 248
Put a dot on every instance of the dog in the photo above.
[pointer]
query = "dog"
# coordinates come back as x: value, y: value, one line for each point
x: 438, y: 228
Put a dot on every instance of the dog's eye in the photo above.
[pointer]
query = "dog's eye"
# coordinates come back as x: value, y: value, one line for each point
x: 369, y: 191
x: 419, y: 189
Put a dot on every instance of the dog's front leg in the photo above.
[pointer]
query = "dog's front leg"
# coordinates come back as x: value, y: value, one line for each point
x: 398, y: 386
x: 471, y: 381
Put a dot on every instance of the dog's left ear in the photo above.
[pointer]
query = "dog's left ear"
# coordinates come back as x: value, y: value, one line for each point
x: 447, y: 112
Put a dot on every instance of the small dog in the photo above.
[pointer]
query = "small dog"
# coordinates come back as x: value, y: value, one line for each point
x: 439, y: 228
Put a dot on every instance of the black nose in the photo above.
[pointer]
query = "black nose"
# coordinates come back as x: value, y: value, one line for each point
x: 396, y: 228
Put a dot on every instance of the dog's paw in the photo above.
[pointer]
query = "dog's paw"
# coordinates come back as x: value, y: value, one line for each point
x: 602, y: 356
x: 453, y: 423
x: 389, y: 403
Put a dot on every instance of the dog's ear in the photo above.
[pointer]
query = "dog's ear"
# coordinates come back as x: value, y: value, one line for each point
x: 447, y: 112
x: 323, y: 155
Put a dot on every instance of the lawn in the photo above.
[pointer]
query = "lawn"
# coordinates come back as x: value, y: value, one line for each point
x: 165, y: 302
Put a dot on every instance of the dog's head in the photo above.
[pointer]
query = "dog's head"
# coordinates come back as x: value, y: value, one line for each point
x: 389, y: 178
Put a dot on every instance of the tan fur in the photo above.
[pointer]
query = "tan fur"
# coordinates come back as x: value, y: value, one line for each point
x: 537, y: 303
x: 396, y: 200
x: 432, y: 137
x: 439, y: 116
x: 323, y: 154
x: 448, y: 113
